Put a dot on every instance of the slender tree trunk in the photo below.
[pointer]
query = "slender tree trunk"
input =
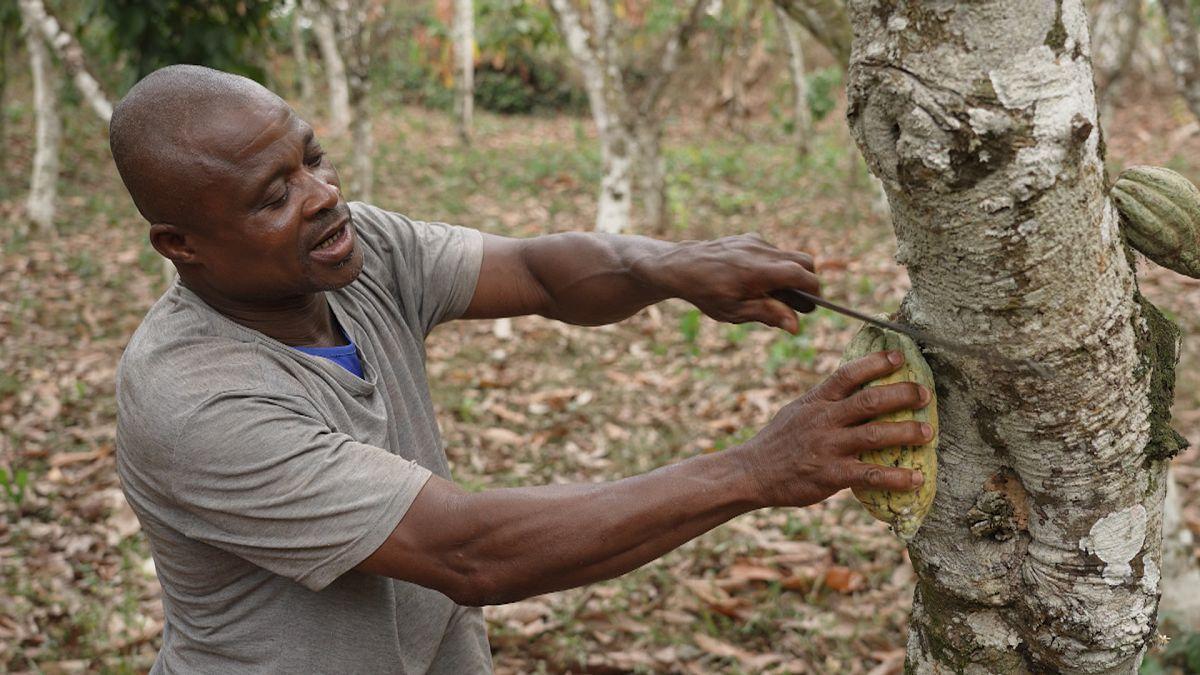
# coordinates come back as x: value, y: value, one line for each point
x: 355, y: 19
x: 803, y: 114
x: 300, y: 55
x: 335, y: 68
x: 71, y: 55
x: 825, y: 21
x: 1043, y: 550
x: 652, y: 174
x: 618, y: 150
x: 464, y: 47
x: 1115, y: 33
x: 1182, y: 50
x: 43, y: 190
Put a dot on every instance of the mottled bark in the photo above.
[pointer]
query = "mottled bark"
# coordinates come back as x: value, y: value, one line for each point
x: 43, y: 185
x: 802, y: 115
x: 300, y: 55
x: 826, y: 21
x: 1043, y: 549
x: 464, y: 86
x: 1183, y: 53
x: 355, y: 20
x: 71, y: 55
x: 624, y: 117
x: 1115, y: 31
x: 335, y: 68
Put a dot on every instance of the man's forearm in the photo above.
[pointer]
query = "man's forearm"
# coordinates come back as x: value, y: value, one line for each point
x: 503, y: 545
x: 592, y: 279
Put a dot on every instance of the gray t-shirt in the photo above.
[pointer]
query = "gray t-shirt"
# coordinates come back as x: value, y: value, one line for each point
x: 262, y: 475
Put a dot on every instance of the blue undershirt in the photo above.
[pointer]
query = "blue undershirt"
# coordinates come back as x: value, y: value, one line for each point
x: 345, y: 356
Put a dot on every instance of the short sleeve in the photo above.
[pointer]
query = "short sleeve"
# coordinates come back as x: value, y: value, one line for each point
x: 434, y: 266
x: 262, y: 477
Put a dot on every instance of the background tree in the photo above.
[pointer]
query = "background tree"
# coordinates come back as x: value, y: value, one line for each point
x: 464, y: 51
x: 626, y: 99
x: 1043, y: 549
x: 43, y: 184
x: 802, y: 117
x: 1116, y: 28
x: 325, y: 31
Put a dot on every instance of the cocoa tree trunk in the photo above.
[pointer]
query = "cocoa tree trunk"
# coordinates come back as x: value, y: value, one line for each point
x: 355, y: 20
x: 43, y: 188
x: 624, y: 118
x: 1183, y: 53
x: 464, y: 49
x: 825, y: 21
x: 71, y: 55
x: 802, y: 117
x: 300, y: 54
x: 1043, y: 550
x: 335, y: 68
x: 1115, y: 31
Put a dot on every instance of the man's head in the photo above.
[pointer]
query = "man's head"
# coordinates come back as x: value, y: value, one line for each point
x: 238, y: 192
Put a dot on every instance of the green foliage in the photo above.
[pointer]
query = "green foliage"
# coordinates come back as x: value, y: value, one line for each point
x: 689, y: 328
x: 230, y: 35
x: 14, y: 485
x: 823, y: 88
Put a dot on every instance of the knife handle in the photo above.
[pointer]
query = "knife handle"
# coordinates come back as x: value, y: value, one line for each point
x: 793, y: 299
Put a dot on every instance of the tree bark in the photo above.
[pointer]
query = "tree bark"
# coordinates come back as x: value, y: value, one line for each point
x: 802, y: 119
x: 1043, y: 549
x: 1182, y: 51
x: 826, y: 21
x: 335, y: 68
x: 355, y: 19
x: 628, y: 122
x: 300, y: 55
x: 464, y: 47
x: 71, y: 55
x: 43, y: 190
x: 1115, y: 32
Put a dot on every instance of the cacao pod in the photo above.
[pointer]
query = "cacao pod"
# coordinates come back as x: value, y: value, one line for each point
x: 904, y: 511
x: 1160, y: 215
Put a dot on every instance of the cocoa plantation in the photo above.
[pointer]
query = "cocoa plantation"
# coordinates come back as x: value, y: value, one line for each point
x: 545, y: 336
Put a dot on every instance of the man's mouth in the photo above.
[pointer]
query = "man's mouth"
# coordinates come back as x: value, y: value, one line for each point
x: 336, y: 245
x: 334, y: 237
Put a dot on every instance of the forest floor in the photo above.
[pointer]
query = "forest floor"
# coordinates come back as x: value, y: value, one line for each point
x: 823, y: 590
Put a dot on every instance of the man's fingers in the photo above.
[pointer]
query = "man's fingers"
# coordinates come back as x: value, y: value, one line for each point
x: 768, y: 311
x: 847, y: 379
x: 875, y: 477
x: 878, y: 435
x: 871, y: 402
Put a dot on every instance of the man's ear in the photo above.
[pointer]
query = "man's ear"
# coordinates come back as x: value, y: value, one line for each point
x: 172, y: 242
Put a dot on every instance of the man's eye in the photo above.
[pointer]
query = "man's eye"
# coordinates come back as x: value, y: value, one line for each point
x: 279, y: 202
x: 315, y: 159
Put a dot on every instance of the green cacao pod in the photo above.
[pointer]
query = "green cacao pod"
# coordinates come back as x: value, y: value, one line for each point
x: 904, y: 511
x: 1160, y: 215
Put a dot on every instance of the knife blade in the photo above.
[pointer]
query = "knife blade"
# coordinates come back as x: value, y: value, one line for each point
x: 802, y: 301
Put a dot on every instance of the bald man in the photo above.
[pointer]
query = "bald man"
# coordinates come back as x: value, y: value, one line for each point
x: 275, y: 432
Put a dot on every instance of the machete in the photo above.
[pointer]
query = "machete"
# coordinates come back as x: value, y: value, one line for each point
x: 802, y: 302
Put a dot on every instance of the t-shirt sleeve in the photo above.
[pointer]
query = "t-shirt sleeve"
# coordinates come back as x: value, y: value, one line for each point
x: 262, y: 477
x: 434, y: 266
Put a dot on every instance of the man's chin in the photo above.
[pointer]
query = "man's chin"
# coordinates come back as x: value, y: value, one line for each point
x: 345, y: 272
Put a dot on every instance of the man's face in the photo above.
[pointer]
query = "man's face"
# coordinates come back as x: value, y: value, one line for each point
x: 271, y: 221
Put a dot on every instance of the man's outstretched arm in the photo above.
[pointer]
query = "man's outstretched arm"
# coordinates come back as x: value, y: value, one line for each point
x: 502, y: 545
x: 590, y: 279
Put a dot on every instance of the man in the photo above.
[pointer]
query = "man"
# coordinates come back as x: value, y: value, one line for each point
x: 297, y: 501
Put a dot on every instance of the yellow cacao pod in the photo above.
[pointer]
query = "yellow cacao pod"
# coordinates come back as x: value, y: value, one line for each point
x: 1160, y: 214
x: 904, y: 511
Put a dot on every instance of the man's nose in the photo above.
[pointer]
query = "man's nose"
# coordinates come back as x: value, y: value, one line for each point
x: 324, y: 196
